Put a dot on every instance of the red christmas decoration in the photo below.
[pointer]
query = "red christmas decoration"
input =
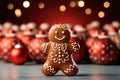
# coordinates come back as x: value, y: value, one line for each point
x: 28, y: 35
x: 93, y: 27
x: 81, y: 30
x: 45, y: 27
x: 103, y: 51
x: 19, y: 53
x: 80, y: 54
x: 8, y: 44
x: 19, y: 33
x: 91, y: 39
x: 35, y: 51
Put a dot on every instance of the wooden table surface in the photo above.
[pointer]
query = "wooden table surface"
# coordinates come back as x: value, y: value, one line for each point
x: 31, y: 71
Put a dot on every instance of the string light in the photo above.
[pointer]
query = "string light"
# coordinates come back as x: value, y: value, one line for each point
x: 106, y: 4
x: 26, y: 4
x: 62, y: 8
x: 72, y: 4
x: 101, y: 14
x: 10, y: 6
x: 81, y: 3
x: 18, y: 12
x: 41, y: 5
x: 88, y: 11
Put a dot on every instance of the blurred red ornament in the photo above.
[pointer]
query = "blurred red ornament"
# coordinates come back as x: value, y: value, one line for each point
x: 19, y: 34
x: 8, y: 44
x: 103, y: 51
x: 93, y: 28
x: 45, y: 27
x: 6, y: 27
x: 19, y: 53
x: 81, y: 30
x: 79, y: 55
x: 35, y: 51
x: 91, y: 39
x: 28, y: 35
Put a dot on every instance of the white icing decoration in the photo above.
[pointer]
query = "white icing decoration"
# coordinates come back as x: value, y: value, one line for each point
x: 59, y: 26
x: 63, y: 32
x: 59, y: 48
x: 75, y: 46
x: 44, y: 47
x: 59, y: 38
x: 49, y: 68
x: 56, y: 32
x: 71, y: 68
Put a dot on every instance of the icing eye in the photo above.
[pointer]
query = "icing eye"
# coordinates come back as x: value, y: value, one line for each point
x: 63, y: 32
x: 56, y: 32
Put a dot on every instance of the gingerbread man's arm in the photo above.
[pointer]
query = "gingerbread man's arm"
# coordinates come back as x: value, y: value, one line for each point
x: 45, y: 47
x: 74, y: 47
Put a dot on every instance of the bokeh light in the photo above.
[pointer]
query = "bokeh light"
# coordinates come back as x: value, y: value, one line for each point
x: 62, y: 8
x: 41, y: 5
x: 88, y: 11
x: 101, y: 14
x: 106, y: 4
x: 10, y: 6
x: 72, y: 4
x: 18, y: 12
x: 26, y: 4
x: 81, y: 3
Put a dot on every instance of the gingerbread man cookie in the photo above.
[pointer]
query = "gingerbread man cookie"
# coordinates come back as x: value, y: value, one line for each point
x: 59, y: 51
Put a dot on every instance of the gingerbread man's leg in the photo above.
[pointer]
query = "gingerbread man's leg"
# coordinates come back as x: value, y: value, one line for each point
x: 69, y: 69
x: 49, y: 70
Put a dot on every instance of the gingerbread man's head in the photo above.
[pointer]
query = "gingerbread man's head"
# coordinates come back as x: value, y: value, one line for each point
x: 59, y: 33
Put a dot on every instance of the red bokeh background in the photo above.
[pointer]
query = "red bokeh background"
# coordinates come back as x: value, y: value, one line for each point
x: 51, y: 13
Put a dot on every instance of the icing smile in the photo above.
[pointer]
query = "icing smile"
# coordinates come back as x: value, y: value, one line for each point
x: 59, y: 38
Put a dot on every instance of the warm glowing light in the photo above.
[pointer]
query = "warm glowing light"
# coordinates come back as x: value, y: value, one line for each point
x: 10, y: 6
x: 41, y: 5
x: 72, y: 4
x: 26, y: 4
x: 101, y: 14
x: 18, y: 12
x: 81, y: 3
x: 106, y: 4
x: 88, y: 11
x: 62, y: 8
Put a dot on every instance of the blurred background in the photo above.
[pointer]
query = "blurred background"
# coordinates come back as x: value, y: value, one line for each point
x: 59, y: 11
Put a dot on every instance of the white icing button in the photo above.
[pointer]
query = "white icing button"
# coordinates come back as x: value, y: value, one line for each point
x: 59, y: 55
x: 62, y: 55
x: 63, y: 32
x: 56, y: 55
x: 59, y: 52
